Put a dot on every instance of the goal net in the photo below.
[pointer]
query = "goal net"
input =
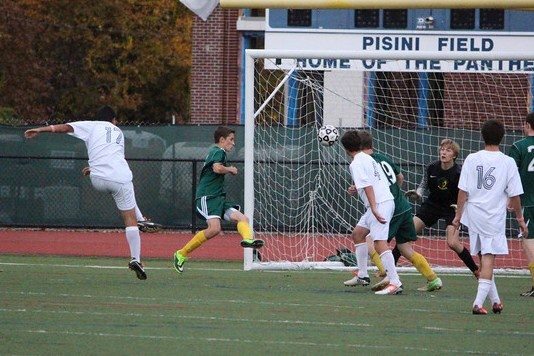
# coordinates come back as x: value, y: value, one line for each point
x: 295, y: 188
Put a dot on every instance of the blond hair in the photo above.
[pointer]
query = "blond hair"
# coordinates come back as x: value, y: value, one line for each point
x: 455, y: 147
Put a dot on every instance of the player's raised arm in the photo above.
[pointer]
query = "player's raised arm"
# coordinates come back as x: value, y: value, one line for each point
x: 61, y: 128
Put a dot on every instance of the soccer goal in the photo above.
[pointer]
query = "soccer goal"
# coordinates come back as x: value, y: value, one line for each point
x: 295, y: 188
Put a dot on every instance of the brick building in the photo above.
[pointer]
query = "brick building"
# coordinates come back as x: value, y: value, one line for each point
x: 214, y: 73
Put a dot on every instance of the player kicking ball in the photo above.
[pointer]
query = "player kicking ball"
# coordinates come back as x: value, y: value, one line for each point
x: 211, y: 203
x: 109, y: 172
x: 488, y: 180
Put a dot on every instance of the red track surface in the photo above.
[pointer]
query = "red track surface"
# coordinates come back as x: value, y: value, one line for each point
x: 111, y: 243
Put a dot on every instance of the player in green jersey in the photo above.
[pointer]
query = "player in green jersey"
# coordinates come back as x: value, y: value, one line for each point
x: 522, y: 152
x: 210, y: 200
x: 401, y: 226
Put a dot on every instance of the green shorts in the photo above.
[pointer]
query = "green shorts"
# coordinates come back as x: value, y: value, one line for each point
x: 528, y: 215
x: 215, y: 207
x: 401, y: 228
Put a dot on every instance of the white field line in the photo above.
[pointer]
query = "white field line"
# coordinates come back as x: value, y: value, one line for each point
x: 238, y: 341
x: 188, y: 317
x: 190, y: 301
x: 243, y: 320
x: 221, y: 269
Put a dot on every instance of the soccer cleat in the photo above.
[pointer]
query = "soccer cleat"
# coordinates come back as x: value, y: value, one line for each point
x: 250, y: 243
x: 357, y: 281
x: 149, y: 226
x: 380, y: 285
x: 431, y: 286
x: 137, y: 267
x: 479, y: 310
x: 380, y: 274
x: 391, y: 289
x: 179, y: 261
x: 497, y: 308
x: 529, y: 293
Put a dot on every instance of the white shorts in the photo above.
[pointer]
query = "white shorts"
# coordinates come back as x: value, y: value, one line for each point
x: 487, y: 245
x: 377, y: 230
x: 122, y: 193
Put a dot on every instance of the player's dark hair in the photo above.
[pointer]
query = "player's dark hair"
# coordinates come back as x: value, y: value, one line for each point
x: 222, y: 132
x: 105, y: 113
x: 492, y: 132
x: 530, y: 120
x: 366, y: 139
x: 351, y: 141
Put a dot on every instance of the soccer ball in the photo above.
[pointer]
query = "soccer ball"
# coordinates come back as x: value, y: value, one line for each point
x: 327, y: 135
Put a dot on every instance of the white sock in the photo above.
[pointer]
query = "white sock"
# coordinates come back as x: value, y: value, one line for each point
x: 493, y: 295
x: 134, y: 241
x: 389, y: 264
x: 362, y: 256
x: 138, y: 214
x: 484, y: 285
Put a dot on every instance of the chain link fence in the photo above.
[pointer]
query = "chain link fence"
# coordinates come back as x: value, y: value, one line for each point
x: 41, y: 184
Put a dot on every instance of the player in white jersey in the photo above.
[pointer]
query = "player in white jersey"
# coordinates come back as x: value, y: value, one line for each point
x: 488, y: 179
x: 109, y: 172
x: 373, y: 188
x: 106, y: 113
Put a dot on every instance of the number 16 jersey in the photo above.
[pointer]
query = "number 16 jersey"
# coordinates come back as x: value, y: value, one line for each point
x: 489, y: 178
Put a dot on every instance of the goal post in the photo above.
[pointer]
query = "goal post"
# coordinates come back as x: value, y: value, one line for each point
x: 295, y: 188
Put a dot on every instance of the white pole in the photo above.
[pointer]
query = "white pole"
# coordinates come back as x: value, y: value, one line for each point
x: 249, y: 152
x: 378, y: 4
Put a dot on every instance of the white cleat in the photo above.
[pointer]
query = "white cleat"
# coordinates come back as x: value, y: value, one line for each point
x: 391, y: 289
x: 357, y: 281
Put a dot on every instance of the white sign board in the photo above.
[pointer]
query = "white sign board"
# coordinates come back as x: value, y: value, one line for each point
x: 410, y: 42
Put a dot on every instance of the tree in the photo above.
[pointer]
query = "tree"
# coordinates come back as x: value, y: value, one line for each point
x: 140, y: 49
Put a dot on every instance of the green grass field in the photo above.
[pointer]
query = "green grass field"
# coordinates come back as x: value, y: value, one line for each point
x: 57, y: 305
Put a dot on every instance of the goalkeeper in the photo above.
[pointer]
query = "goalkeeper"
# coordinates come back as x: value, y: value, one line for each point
x: 441, y: 180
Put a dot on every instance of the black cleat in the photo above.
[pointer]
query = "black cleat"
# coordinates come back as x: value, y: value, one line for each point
x: 137, y: 267
x: 249, y: 243
x: 149, y: 226
x: 529, y: 293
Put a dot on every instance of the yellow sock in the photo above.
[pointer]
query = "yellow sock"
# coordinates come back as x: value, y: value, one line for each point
x: 244, y: 230
x: 194, y: 243
x: 375, y: 257
x: 531, y: 268
x: 421, y: 264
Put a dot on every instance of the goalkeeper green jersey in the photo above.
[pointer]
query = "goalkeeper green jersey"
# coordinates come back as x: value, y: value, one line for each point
x: 522, y: 152
x: 391, y: 170
x: 210, y: 183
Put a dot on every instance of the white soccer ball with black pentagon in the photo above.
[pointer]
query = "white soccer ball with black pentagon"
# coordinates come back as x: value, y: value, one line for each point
x: 327, y: 135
